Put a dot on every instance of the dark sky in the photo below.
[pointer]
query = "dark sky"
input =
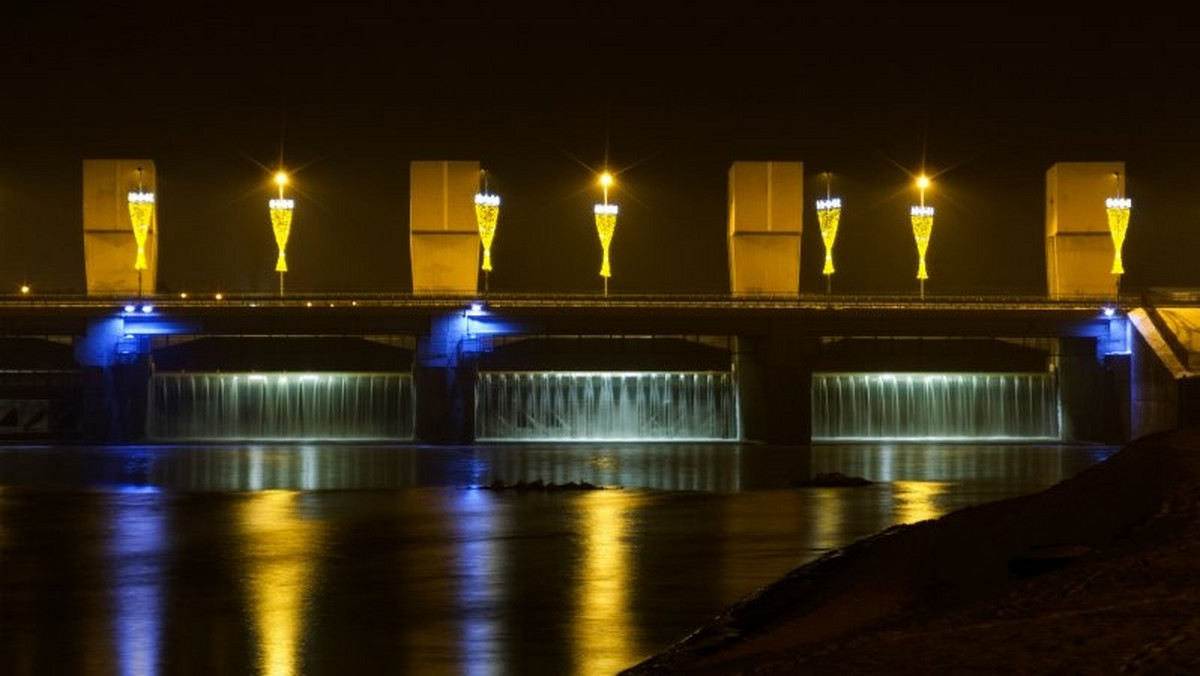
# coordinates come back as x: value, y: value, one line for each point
x: 986, y: 96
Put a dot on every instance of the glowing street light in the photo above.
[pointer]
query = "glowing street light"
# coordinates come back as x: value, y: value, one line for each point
x: 829, y: 211
x: 606, y: 224
x: 487, y: 213
x: 1118, y: 224
x: 281, y: 223
x: 141, y: 212
x: 922, y: 225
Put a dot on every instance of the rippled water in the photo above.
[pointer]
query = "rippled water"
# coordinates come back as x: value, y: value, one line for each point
x: 336, y: 559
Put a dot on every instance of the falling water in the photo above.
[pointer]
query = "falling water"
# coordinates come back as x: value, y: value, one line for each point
x: 605, y: 406
x: 935, y: 406
x: 265, y: 406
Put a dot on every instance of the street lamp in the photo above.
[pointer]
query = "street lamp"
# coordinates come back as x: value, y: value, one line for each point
x: 281, y: 223
x: 487, y: 213
x: 922, y: 225
x: 1118, y: 224
x: 141, y: 212
x: 829, y: 212
x: 606, y: 224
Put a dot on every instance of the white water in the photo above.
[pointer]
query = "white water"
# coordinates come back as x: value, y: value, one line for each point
x: 935, y: 406
x: 605, y: 406
x: 282, y: 406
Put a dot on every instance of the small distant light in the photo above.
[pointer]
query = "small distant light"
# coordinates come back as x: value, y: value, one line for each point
x: 25, y: 288
x: 308, y: 304
x: 476, y: 307
x: 219, y: 296
x: 1109, y: 311
x: 147, y: 308
x: 131, y: 308
x: 183, y: 294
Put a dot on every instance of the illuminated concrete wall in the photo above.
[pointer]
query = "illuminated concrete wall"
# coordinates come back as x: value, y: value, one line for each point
x: 765, y: 219
x: 444, y: 235
x: 1079, y: 248
x: 109, y: 247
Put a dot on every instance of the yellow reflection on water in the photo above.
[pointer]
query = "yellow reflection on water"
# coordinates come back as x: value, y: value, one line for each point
x: 917, y: 500
x: 279, y: 561
x: 603, y: 615
x: 827, y: 512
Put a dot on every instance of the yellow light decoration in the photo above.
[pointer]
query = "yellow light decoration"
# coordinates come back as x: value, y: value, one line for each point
x: 606, y: 223
x: 922, y: 225
x: 829, y: 211
x: 141, y: 211
x: 487, y: 213
x: 281, y: 223
x: 1118, y: 223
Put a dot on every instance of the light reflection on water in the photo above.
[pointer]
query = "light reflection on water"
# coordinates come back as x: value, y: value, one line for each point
x: 265, y: 559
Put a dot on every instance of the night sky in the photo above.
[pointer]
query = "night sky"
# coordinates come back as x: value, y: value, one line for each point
x: 986, y: 97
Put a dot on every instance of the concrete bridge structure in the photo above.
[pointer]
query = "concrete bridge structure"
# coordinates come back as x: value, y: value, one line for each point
x: 80, y: 367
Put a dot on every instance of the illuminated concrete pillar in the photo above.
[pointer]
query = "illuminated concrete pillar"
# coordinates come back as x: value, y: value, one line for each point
x: 765, y: 220
x: 115, y: 371
x: 444, y: 239
x: 1079, y: 247
x: 109, y: 245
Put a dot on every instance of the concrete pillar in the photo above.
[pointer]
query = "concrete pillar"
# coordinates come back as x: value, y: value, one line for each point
x: 444, y: 236
x: 1079, y: 248
x: 774, y: 383
x: 765, y: 220
x: 1090, y: 387
x: 444, y: 380
x: 115, y: 376
x: 109, y: 245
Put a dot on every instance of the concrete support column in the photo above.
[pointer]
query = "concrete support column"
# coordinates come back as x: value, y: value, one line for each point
x: 109, y: 244
x: 444, y: 380
x: 1079, y: 247
x: 116, y: 372
x: 765, y: 220
x: 1088, y: 388
x: 774, y: 381
x: 444, y: 239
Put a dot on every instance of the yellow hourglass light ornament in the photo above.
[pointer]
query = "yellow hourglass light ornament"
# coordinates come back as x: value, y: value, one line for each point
x: 922, y: 225
x: 606, y: 223
x: 1118, y: 224
x: 829, y: 211
x: 487, y: 213
x: 141, y: 211
x: 281, y: 224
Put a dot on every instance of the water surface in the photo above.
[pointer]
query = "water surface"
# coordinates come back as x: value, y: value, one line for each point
x: 333, y: 559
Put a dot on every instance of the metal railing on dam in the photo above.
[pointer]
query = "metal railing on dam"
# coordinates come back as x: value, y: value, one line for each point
x: 575, y: 314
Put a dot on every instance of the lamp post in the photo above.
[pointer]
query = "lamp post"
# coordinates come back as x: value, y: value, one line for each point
x: 606, y: 224
x: 922, y: 225
x: 829, y: 212
x: 1118, y: 209
x: 141, y: 212
x: 487, y: 213
x: 281, y: 223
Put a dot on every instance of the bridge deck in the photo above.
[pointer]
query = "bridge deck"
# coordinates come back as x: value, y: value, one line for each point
x: 381, y: 314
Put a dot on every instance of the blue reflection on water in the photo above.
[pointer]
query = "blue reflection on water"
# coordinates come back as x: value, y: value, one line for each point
x: 138, y: 536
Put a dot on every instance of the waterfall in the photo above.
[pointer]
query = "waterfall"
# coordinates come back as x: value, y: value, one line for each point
x: 935, y: 406
x: 280, y: 406
x: 605, y: 406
